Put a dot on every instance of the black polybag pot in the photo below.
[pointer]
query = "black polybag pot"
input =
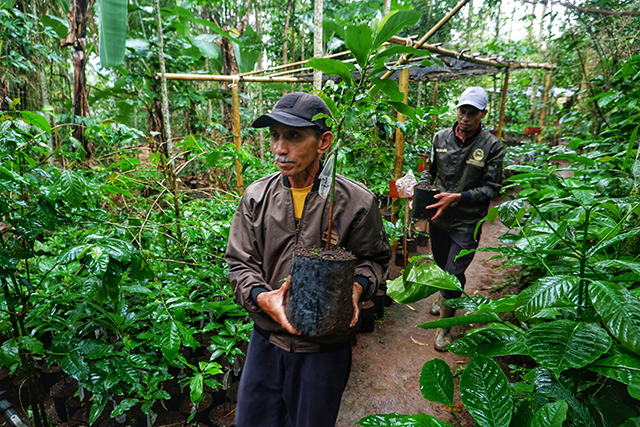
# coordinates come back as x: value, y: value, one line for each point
x: 423, y: 197
x: 320, y: 297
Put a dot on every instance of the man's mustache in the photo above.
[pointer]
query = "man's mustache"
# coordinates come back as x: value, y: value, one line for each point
x: 282, y: 159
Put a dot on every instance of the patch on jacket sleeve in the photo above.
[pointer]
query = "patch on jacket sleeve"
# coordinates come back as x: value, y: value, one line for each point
x: 478, y: 156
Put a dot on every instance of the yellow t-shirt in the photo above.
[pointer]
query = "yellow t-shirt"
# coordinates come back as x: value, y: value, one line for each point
x: 299, y: 195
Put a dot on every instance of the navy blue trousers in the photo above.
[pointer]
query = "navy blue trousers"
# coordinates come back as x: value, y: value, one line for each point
x: 283, y: 389
x: 446, y: 247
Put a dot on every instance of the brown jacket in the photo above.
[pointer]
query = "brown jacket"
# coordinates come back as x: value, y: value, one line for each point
x: 263, y: 234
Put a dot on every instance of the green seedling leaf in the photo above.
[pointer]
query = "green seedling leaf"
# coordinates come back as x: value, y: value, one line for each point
x: 124, y: 406
x: 170, y: 340
x: 196, y: 388
x: 419, y: 281
x: 332, y: 67
x: 99, y: 403
x: 393, y: 23
x: 550, y: 415
x: 37, y: 120
x: 359, y: 39
x: 485, y: 392
x: 9, y: 352
x: 436, y: 382
x: 397, y: 420
x: 31, y: 344
x: 624, y: 368
x: 389, y: 88
x: 564, y: 344
x: 543, y: 294
x: 470, y: 319
x: 620, y: 312
x: 75, y: 366
x: 492, y: 340
x: 510, y: 212
x: 71, y: 187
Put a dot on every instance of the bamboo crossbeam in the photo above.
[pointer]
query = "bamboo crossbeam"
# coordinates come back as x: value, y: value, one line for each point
x: 474, y: 59
x: 224, y: 78
x: 293, y: 64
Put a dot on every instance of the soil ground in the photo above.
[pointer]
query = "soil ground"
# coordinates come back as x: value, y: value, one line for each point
x: 387, y: 362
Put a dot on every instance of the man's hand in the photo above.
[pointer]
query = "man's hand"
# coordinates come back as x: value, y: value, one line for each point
x: 444, y: 200
x: 357, y: 293
x: 272, y: 303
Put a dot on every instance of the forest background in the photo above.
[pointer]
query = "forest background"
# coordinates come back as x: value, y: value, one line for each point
x: 117, y: 192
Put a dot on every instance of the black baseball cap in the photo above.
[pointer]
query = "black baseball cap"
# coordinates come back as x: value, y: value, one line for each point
x: 296, y: 109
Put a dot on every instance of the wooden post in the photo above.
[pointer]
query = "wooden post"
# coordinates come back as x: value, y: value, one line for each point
x: 503, y: 101
x: 399, y: 158
x: 237, y: 138
x: 543, y: 109
x: 435, y: 104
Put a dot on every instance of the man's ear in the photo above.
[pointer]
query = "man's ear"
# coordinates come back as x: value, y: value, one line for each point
x: 324, y: 142
x: 484, y: 113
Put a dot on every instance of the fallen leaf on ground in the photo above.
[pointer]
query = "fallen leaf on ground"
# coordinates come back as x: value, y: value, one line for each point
x: 417, y: 342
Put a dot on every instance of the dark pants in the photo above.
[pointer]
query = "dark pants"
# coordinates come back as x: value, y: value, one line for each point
x: 446, y: 247
x: 283, y: 389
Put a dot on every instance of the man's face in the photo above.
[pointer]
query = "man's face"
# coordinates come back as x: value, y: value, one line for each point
x: 469, y: 118
x: 297, y: 150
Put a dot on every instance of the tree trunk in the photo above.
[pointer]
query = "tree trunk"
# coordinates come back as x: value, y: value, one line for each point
x: 386, y: 8
x: 317, y: 41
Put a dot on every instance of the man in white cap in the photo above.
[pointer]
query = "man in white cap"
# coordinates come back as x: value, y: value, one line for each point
x: 466, y: 166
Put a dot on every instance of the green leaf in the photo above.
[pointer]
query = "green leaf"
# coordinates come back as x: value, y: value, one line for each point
x: 492, y: 340
x: 9, y: 352
x: 632, y: 422
x: 170, y: 340
x: 196, y: 387
x: 510, y: 212
x: 485, y: 392
x: 124, y: 406
x: 98, y: 405
x: 543, y: 294
x: 332, y: 67
x: 550, y: 415
x: 470, y: 319
x: 394, y: 50
x: 72, y: 188
x: 393, y: 23
x: 624, y: 368
x: 31, y: 344
x: 405, y: 109
x: 397, y: 420
x: 620, y: 312
x: 37, y: 120
x: 420, y: 280
x: 205, y: 42
x: 112, y: 19
x: 436, y: 382
x: 564, y: 344
x: 388, y: 87
x: 75, y: 366
x: 359, y: 39
x: 59, y: 25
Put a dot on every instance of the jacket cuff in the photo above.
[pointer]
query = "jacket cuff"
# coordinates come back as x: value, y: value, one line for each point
x: 257, y: 291
x: 465, y: 197
x: 364, y: 282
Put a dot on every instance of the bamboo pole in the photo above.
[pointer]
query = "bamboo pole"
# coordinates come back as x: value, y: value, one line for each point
x: 237, y: 137
x: 399, y: 158
x: 545, y: 99
x: 225, y: 78
x: 503, y: 101
x: 405, y: 57
x: 472, y: 58
x: 435, y: 104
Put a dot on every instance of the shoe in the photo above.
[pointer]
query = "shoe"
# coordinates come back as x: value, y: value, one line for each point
x: 435, y: 307
x: 443, y: 335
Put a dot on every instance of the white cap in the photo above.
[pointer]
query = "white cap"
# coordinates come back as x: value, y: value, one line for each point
x: 474, y: 96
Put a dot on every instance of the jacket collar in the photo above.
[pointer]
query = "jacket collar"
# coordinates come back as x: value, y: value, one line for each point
x: 469, y: 138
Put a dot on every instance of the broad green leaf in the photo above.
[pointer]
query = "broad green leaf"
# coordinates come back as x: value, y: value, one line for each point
x: 332, y: 67
x: 196, y: 388
x: 71, y: 187
x: 470, y: 319
x: 205, y: 42
x: 510, y: 212
x: 485, y: 392
x: 632, y: 422
x: 624, y: 368
x: 31, y: 344
x: 393, y: 50
x: 112, y: 19
x: 393, y: 23
x: 170, y: 340
x: 98, y: 405
x: 620, y: 312
x: 388, y: 87
x: 124, y: 406
x: 37, y: 120
x: 75, y: 366
x: 359, y: 39
x: 492, y: 340
x: 397, y: 420
x: 436, y: 382
x: 9, y: 352
x: 543, y: 294
x: 550, y: 415
x: 564, y: 344
x: 405, y: 109
x: 59, y: 25
x: 419, y: 281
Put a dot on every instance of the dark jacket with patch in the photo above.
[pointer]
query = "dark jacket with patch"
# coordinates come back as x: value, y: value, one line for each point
x: 473, y: 169
x: 263, y: 235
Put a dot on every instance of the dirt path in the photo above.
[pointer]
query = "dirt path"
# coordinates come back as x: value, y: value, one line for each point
x: 387, y: 362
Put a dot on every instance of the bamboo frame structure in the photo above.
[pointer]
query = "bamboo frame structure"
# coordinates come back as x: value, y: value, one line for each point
x: 545, y: 99
x: 503, y: 101
x: 237, y: 136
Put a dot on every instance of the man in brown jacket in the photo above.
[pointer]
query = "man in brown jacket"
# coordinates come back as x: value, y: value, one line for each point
x: 289, y: 379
